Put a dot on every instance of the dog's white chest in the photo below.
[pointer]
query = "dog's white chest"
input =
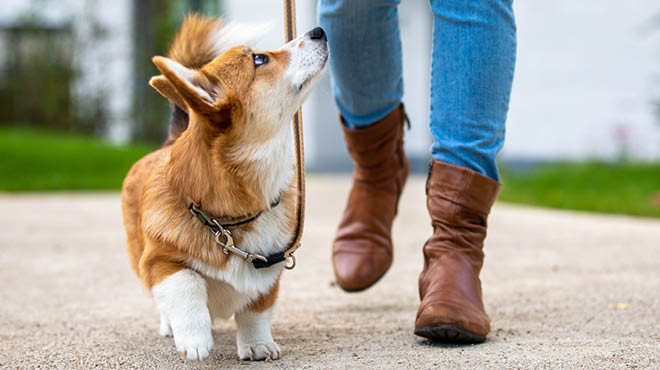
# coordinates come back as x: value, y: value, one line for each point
x: 238, y: 282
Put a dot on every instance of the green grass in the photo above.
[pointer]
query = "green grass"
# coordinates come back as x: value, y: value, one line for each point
x: 36, y: 161
x: 43, y: 161
x: 626, y: 188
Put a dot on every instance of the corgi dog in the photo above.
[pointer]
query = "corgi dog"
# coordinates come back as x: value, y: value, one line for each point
x: 208, y: 214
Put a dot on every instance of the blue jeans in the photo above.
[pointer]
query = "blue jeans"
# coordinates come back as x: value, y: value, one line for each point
x: 474, y: 50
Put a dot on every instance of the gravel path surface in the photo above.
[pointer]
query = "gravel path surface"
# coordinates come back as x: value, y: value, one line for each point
x: 564, y: 290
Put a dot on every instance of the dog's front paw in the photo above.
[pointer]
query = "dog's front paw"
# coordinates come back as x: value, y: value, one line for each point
x: 259, y: 351
x: 194, y: 347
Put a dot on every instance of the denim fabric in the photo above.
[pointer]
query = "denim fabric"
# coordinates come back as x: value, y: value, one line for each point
x: 365, y: 59
x: 473, y: 58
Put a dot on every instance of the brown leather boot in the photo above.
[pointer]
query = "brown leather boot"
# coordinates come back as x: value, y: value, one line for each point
x: 458, y: 200
x: 362, y: 250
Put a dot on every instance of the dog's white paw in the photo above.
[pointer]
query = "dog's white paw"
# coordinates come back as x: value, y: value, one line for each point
x: 253, y: 337
x: 165, y: 328
x: 181, y: 299
x: 259, y: 351
x: 194, y: 347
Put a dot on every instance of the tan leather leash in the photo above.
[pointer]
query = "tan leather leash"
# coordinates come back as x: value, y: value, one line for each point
x: 290, y: 34
x: 222, y: 232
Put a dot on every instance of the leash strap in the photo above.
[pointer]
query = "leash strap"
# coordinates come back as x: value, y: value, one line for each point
x: 290, y: 34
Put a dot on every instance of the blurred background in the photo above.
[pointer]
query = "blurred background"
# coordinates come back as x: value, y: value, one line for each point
x: 583, y: 131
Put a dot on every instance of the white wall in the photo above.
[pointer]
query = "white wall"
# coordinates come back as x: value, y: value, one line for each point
x: 583, y: 68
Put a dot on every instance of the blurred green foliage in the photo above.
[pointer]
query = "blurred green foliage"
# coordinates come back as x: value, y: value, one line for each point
x: 626, y: 187
x: 39, y: 69
x: 41, y: 160
x: 37, y: 77
x: 33, y: 160
x: 155, y: 23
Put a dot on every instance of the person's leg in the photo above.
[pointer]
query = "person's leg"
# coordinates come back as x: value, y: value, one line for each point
x: 365, y: 63
x: 365, y: 60
x: 474, y: 51
x: 474, y: 45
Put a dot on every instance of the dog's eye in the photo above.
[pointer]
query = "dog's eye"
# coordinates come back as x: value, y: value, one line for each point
x: 259, y: 59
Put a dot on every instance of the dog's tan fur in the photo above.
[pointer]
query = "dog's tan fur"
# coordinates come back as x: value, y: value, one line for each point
x: 196, y: 167
x: 213, y: 162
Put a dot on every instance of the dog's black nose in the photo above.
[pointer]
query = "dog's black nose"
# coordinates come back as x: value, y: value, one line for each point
x: 317, y: 34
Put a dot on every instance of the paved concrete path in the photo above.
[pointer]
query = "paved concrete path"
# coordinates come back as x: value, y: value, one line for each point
x: 564, y: 290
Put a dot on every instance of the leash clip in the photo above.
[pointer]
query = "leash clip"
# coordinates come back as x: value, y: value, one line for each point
x: 226, y: 241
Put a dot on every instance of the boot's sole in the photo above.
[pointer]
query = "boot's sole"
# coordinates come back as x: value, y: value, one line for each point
x: 449, y: 334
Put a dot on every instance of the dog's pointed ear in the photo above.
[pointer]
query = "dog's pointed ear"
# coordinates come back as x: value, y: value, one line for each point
x: 198, y: 93
x: 166, y: 89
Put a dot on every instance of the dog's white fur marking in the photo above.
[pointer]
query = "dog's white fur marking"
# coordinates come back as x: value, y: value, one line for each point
x: 273, y: 160
x: 276, y: 106
x: 241, y: 276
x: 253, y: 337
x: 227, y: 35
x: 181, y: 298
x: 307, y: 63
